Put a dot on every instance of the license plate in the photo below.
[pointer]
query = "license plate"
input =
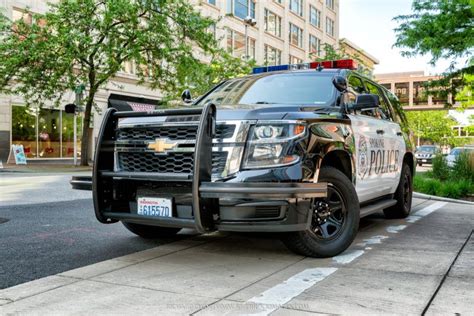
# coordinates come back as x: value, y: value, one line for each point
x: 423, y: 160
x: 159, y: 207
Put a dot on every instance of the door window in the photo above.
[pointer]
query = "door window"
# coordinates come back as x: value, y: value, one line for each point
x: 382, y: 112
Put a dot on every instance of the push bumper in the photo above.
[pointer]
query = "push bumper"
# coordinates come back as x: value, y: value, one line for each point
x: 207, y: 198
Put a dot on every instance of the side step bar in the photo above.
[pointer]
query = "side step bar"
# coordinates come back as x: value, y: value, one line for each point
x: 374, y: 208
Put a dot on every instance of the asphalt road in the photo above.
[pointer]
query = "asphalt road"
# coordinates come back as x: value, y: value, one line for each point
x: 43, y: 239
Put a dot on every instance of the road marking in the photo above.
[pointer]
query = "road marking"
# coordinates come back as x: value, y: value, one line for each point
x: 372, y: 240
x: 395, y: 229
x: 282, y: 293
x: 348, y: 256
x: 425, y: 211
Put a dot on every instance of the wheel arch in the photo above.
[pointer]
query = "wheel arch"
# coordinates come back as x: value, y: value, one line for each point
x: 341, y: 160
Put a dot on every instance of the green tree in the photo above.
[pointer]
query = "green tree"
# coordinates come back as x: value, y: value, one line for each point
x: 443, y: 29
x: 432, y: 125
x: 88, y: 41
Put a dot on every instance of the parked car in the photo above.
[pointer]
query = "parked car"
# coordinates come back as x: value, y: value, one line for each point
x: 455, y: 152
x: 426, y: 153
x: 302, y: 150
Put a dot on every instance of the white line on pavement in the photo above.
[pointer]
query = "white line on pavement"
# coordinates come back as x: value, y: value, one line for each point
x: 348, y: 256
x: 282, y: 293
x: 425, y: 211
x: 395, y: 229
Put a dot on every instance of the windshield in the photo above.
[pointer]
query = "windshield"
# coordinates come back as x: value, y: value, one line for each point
x: 287, y: 88
x: 457, y: 151
x: 429, y: 149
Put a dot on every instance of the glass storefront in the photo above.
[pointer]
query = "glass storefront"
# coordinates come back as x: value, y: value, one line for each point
x: 45, y: 133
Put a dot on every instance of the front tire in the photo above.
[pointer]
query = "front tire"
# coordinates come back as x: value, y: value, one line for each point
x: 335, y: 219
x: 151, y: 232
x: 403, y: 195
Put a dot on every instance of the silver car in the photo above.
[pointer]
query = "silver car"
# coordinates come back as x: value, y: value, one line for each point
x: 455, y: 152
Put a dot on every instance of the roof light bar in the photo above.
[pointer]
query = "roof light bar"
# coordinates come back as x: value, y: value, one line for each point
x: 336, y: 64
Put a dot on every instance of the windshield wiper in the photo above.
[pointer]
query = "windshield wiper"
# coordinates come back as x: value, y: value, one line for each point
x: 264, y: 102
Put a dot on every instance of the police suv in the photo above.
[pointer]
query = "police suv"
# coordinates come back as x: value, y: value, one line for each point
x: 303, y: 150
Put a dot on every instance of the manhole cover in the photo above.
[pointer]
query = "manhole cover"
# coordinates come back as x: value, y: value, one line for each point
x: 3, y: 220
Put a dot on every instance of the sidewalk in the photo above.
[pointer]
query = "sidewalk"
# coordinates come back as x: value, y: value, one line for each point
x: 44, y: 168
x: 422, y: 263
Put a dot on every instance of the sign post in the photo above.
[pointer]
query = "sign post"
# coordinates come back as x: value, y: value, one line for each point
x: 78, y: 101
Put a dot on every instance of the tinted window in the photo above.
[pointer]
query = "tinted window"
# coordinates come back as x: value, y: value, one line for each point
x: 287, y: 88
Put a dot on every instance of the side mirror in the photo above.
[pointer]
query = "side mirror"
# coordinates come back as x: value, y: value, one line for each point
x: 366, y: 101
x: 186, y: 96
x: 340, y: 83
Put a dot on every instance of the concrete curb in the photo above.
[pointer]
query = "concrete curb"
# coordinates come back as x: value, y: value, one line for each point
x: 437, y: 198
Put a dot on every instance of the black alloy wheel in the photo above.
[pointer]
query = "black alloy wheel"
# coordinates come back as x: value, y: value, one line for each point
x: 329, y: 215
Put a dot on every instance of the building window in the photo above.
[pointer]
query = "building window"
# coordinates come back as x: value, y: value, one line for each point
x: 314, y: 45
x: 236, y: 44
x: 314, y: 16
x: 295, y: 60
x: 272, y: 23
x: 387, y: 86
x: 330, y: 4
x: 402, y: 92
x: 279, y: 1
x: 129, y: 67
x: 296, y: 6
x: 272, y: 56
x: 44, y: 133
x: 213, y: 2
x: 296, y: 35
x: 419, y: 93
x: 330, y: 27
x: 241, y: 8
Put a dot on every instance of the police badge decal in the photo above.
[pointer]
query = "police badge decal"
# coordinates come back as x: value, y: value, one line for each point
x: 363, y: 157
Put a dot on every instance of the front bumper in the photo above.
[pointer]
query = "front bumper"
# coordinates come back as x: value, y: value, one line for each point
x: 244, y: 207
x: 198, y: 202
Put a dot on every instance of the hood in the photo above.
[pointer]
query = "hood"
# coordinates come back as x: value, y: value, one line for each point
x: 252, y: 112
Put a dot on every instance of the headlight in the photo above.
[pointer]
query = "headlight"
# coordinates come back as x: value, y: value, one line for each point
x: 268, y: 144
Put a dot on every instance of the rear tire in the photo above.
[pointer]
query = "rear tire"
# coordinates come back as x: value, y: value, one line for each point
x: 151, y: 232
x: 321, y: 240
x: 403, y: 195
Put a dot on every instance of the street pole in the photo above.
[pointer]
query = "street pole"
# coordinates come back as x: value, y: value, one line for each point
x: 78, y: 102
x: 246, y: 41
x: 252, y: 22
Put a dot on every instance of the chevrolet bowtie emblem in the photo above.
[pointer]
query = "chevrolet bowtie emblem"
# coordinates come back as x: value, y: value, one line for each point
x: 162, y: 145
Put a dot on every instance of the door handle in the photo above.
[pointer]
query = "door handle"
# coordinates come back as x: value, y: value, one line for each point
x: 399, y: 134
x: 380, y: 131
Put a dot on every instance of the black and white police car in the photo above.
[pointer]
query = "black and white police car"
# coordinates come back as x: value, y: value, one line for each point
x: 303, y: 150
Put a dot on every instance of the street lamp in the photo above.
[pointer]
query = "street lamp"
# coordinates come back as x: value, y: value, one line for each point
x: 252, y: 22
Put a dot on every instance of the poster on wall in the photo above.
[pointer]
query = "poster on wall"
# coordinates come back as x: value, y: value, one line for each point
x: 19, y: 153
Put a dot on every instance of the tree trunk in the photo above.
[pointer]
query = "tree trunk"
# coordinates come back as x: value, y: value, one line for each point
x: 85, y: 131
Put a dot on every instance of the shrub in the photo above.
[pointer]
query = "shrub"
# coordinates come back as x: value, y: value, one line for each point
x: 426, y: 185
x: 440, y: 168
x: 464, y: 167
x: 451, y: 189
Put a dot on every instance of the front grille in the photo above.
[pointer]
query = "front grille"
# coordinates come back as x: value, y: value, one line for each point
x: 171, y: 132
x: 173, y: 162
